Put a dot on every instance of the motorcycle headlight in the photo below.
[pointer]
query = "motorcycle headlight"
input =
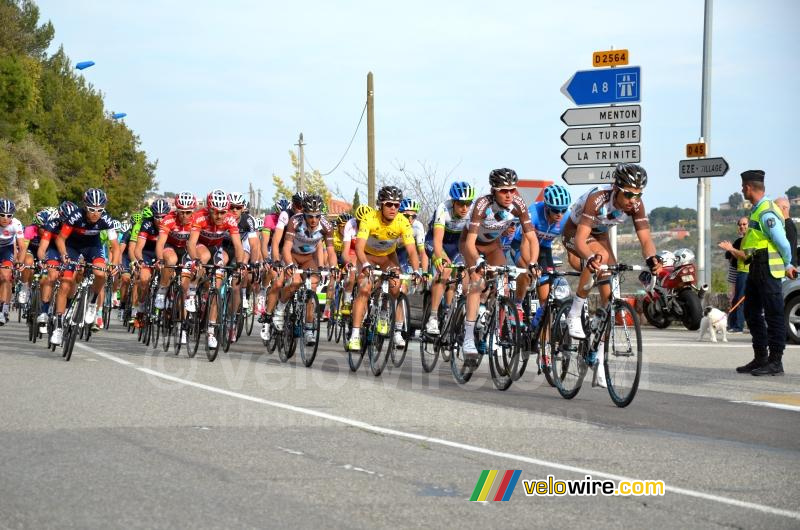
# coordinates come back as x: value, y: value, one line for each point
x: 561, y: 289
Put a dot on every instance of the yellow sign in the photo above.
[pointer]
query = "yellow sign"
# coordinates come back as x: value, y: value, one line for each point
x: 610, y: 58
x: 695, y: 150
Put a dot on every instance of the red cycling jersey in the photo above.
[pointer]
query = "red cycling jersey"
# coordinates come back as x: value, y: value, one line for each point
x: 211, y: 234
x: 177, y: 235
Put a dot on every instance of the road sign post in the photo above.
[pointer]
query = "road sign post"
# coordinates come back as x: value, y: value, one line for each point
x: 599, y: 87
x: 702, y: 168
x: 588, y: 175
x: 602, y: 135
x: 608, y: 115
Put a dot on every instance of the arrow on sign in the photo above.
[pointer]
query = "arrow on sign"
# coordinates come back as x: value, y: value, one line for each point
x: 702, y: 168
x: 603, y: 115
x: 602, y: 135
x: 596, y: 87
x: 589, y: 175
x: 601, y: 155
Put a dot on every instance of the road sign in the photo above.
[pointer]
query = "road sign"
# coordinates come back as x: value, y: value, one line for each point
x: 695, y: 150
x: 702, y: 168
x: 589, y: 175
x: 610, y: 58
x: 602, y: 135
x: 601, y: 155
x: 612, y: 85
x: 603, y: 115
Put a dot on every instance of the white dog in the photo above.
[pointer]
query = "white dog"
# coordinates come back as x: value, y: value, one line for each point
x: 714, y: 320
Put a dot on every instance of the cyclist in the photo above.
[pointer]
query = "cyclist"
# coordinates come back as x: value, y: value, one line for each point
x: 250, y: 244
x: 586, y: 238
x: 49, y: 254
x: 173, y: 233
x: 441, y: 243
x: 209, y: 226
x: 548, y: 218
x: 145, y: 254
x: 11, y: 252
x: 410, y: 209
x: 33, y: 235
x: 376, y: 242
x: 302, y: 249
x: 491, y: 216
x: 270, y: 222
x: 80, y: 236
x: 346, y: 234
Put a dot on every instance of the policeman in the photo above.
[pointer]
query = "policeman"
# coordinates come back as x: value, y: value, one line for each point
x: 768, y: 253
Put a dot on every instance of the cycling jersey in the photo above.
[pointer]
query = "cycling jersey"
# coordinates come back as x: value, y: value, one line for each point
x: 177, y: 235
x: 10, y: 233
x: 382, y: 237
x: 347, y: 240
x: 489, y: 220
x: 149, y: 231
x: 596, y: 209
x: 212, y: 235
x: 445, y: 217
x: 419, y: 237
x: 304, y: 240
x: 82, y: 233
x: 247, y: 228
x: 546, y: 231
x: 32, y: 234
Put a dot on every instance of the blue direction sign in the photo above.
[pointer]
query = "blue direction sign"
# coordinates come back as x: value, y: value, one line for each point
x: 610, y: 85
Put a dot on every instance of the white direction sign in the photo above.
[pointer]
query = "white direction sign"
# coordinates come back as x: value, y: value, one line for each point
x: 702, y: 168
x: 589, y: 175
x: 602, y: 135
x: 601, y: 155
x: 603, y: 115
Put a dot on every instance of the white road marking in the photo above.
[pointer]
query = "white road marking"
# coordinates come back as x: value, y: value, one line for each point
x: 447, y: 443
x: 290, y: 451
x: 782, y: 406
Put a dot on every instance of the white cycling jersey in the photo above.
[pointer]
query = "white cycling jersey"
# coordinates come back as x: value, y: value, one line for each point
x: 9, y: 234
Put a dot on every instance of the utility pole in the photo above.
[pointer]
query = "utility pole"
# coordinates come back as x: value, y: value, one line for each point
x: 370, y: 141
x: 301, y: 164
x: 258, y: 204
x: 704, y: 185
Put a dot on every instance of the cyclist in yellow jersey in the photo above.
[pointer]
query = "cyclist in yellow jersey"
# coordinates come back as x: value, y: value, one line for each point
x: 376, y: 243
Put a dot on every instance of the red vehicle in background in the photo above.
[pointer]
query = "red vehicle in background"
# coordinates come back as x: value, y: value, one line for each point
x: 674, y: 295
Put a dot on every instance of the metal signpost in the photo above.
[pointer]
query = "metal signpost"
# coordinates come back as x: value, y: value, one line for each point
x: 702, y: 168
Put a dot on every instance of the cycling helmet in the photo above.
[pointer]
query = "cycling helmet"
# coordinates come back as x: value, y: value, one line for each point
x: 95, y: 198
x: 630, y: 176
x: 343, y: 218
x: 297, y: 198
x: 557, y: 197
x: 7, y: 206
x: 43, y: 216
x: 503, y: 178
x: 147, y: 212
x: 160, y: 207
x: 312, y: 204
x: 409, y: 205
x: 462, y: 191
x: 390, y: 193
x: 66, y: 208
x: 136, y: 218
x: 186, y: 201
x: 281, y: 205
x: 218, y: 200
x: 363, y: 211
x: 236, y: 199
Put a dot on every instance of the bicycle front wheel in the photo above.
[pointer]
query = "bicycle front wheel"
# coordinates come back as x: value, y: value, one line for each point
x: 399, y: 352
x: 308, y: 352
x: 213, y: 301
x: 379, y: 337
x: 503, y: 345
x: 428, y: 353
x: 566, y: 359
x: 623, y: 355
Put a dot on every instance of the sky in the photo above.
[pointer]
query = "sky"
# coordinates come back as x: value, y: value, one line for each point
x: 219, y: 91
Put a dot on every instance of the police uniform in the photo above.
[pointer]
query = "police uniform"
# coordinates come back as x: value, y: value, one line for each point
x: 768, y: 256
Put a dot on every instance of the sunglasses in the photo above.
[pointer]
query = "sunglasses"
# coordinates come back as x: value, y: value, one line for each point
x: 410, y: 215
x: 95, y: 210
x: 505, y: 190
x: 630, y: 194
x: 742, y: 224
x: 394, y: 205
x: 219, y: 212
x: 237, y: 208
x: 464, y: 203
x: 159, y: 217
x: 312, y: 215
x: 185, y: 212
x: 7, y: 215
x: 558, y: 211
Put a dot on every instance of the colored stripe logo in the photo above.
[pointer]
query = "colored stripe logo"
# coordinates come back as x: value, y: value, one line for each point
x: 494, y: 485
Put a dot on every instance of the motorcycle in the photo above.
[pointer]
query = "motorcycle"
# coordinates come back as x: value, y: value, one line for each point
x: 672, y: 294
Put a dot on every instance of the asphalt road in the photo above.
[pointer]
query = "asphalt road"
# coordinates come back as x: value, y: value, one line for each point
x: 124, y: 436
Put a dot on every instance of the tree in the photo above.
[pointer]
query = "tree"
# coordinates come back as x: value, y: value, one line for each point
x: 736, y: 200
x: 356, y: 202
x: 312, y: 182
x: 793, y: 192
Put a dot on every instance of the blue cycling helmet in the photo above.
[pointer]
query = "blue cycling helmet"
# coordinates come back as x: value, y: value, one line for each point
x: 160, y: 207
x: 409, y: 204
x: 95, y: 198
x: 66, y: 208
x: 43, y: 216
x: 7, y: 207
x: 557, y: 197
x: 462, y: 191
x: 281, y: 205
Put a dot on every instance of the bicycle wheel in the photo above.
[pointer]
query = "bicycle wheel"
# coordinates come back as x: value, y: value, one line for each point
x: 198, y: 318
x: 33, y: 312
x: 289, y: 342
x: 333, y: 319
x: 309, y: 352
x: 566, y: 357
x: 623, y: 358
x: 227, y: 317
x: 176, y: 318
x: 398, y: 353
x: 107, y: 296
x: 382, y: 330
x: 213, y: 301
x: 428, y: 352
x: 250, y: 316
x: 545, y: 346
x: 460, y: 367
x: 503, y: 345
x: 74, y: 323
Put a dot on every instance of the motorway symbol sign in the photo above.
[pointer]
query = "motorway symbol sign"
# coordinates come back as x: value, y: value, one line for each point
x: 702, y: 168
x: 588, y: 175
x: 601, y: 155
x: 602, y: 135
x: 696, y: 150
x: 609, y: 58
x: 597, y: 87
x: 603, y: 115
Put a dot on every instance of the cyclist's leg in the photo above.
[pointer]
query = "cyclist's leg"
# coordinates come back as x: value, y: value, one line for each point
x: 360, y: 303
x: 6, y: 276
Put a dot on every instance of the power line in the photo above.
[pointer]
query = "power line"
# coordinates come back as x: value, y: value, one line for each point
x: 346, y: 150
